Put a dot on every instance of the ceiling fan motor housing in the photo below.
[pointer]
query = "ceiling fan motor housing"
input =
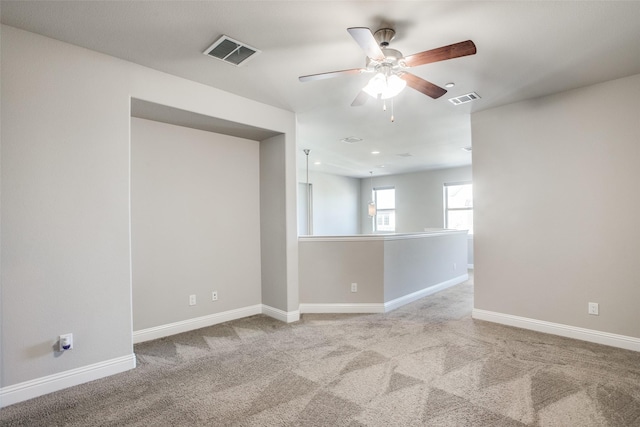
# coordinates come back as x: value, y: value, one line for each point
x: 384, y: 36
x: 392, y: 59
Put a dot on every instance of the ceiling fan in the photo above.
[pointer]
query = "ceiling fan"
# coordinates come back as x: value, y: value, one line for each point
x: 389, y: 65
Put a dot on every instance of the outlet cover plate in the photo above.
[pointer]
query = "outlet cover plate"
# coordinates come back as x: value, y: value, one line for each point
x: 594, y: 309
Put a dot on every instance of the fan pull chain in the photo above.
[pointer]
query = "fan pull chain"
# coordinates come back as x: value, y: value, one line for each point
x: 384, y: 105
x: 393, y: 119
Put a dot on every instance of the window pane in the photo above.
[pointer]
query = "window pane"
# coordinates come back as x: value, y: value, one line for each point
x: 460, y: 220
x: 386, y: 221
x: 386, y: 199
x: 459, y: 196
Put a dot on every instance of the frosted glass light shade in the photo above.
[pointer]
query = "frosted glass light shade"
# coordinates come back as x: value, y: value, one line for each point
x: 372, y: 209
x: 384, y: 87
x: 394, y: 86
x: 376, y: 85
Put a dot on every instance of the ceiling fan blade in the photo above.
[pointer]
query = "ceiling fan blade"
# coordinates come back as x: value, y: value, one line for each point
x: 367, y: 42
x: 330, y: 74
x: 442, y: 53
x: 360, y: 99
x: 421, y: 85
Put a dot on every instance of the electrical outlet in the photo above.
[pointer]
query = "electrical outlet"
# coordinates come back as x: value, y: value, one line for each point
x: 593, y: 308
x: 354, y: 287
x: 214, y: 296
x: 65, y: 342
x: 192, y: 300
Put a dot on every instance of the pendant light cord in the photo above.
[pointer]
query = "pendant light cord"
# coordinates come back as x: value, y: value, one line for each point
x: 309, y: 229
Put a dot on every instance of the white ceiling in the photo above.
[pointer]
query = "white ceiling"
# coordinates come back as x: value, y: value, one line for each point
x: 525, y: 50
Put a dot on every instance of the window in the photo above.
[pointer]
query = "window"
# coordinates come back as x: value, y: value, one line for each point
x: 458, y: 206
x: 385, y: 200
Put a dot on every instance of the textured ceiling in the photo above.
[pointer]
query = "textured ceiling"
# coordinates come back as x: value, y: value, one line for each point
x: 525, y: 50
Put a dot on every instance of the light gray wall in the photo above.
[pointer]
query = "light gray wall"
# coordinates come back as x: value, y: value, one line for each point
x: 278, y: 224
x: 419, y: 200
x: 195, y: 222
x: 385, y: 268
x: 327, y: 270
x: 336, y: 208
x: 273, y: 223
x: 419, y: 197
x: 340, y: 203
x: 411, y: 265
x: 556, y: 207
x: 65, y: 196
x: 65, y: 207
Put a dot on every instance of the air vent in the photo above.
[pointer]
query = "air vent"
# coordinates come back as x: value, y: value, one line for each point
x: 351, y: 139
x: 231, y: 51
x: 463, y: 99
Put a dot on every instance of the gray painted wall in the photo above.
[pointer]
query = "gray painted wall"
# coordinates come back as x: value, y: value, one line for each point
x: 339, y: 203
x: 335, y: 204
x: 556, y: 207
x: 273, y: 223
x: 419, y: 200
x: 327, y: 270
x: 65, y: 215
x: 278, y: 224
x: 192, y: 232
x: 65, y: 207
x: 415, y: 264
x: 385, y: 268
x: 419, y: 197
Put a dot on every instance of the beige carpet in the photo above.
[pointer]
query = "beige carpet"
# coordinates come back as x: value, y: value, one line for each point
x: 427, y: 363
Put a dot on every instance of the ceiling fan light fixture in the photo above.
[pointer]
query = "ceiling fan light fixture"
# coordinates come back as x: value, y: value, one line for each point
x: 384, y: 87
x: 376, y: 85
x: 389, y: 65
x: 395, y: 85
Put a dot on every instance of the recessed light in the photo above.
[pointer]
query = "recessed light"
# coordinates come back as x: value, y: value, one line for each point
x: 380, y: 166
x: 317, y: 163
x: 450, y: 85
x: 375, y: 152
x: 351, y: 139
x: 467, y: 149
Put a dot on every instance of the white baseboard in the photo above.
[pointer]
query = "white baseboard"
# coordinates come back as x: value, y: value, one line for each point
x: 590, y: 335
x: 406, y: 299
x: 342, y: 308
x: 283, y: 316
x: 380, y: 307
x: 196, y: 323
x: 44, y: 385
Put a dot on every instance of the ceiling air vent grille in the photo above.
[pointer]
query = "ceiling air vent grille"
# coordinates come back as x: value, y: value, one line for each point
x: 231, y: 51
x: 463, y: 99
x: 351, y: 139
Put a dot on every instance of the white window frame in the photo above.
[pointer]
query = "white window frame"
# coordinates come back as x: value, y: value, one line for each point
x: 446, y: 201
x: 379, y: 211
